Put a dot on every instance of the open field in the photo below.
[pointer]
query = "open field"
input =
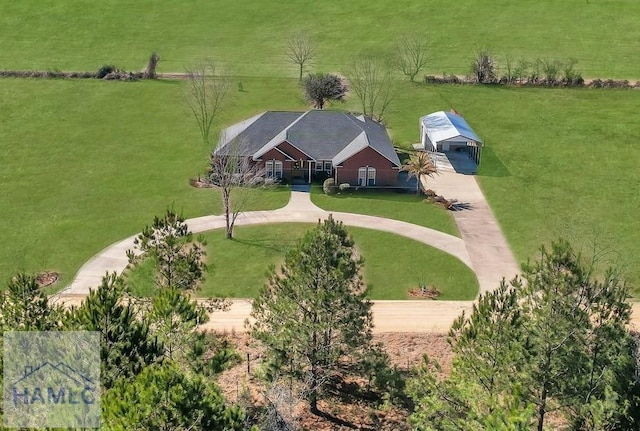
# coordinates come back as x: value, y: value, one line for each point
x: 393, y: 264
x: 70, y: 35
x: 556, y: 163
x: 88, y: 163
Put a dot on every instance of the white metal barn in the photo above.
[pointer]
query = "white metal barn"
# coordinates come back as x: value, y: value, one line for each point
x: 448, y: 131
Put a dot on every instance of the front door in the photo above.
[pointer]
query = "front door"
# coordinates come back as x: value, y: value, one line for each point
x: 298, y: 170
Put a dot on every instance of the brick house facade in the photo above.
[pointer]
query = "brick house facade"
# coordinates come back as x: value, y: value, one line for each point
x: 316, y: 144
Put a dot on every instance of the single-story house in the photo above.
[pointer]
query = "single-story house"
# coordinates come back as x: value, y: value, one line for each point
x: 302, y: 145
x: 448, y: 131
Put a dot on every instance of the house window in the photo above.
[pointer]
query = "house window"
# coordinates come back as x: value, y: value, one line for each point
x: 273, y: 168
x: 367, y: 176
x: 327, y: 166
x: 318, y: 166
x: 371, y: 180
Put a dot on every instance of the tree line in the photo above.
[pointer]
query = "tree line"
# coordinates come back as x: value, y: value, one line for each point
x: 552, y: 346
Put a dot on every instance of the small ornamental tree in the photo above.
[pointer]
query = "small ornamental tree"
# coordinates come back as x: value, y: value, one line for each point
x: 233, y: 173
x: 312, y: 315
x: 322, y: 87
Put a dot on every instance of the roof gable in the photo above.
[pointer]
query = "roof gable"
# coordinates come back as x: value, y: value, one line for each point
x: 322, y: 135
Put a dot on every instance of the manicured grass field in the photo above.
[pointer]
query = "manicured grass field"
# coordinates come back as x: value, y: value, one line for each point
x: 52, y: 34
x: 87, y: 163
x: 393, y: 264
x: 556, y: 162
x: 399, y: 206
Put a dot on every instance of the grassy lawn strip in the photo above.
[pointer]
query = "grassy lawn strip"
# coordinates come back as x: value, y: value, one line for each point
x: 50, y: 34
x: 393, y: 264
x: 399, y: 206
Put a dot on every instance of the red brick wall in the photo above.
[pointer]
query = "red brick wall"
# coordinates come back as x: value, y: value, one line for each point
x: 292, y: 151
x: 386, y: 175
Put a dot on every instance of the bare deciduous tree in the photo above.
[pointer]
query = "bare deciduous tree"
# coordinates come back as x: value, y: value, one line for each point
x: 232, y: 170
x: 370, y: 79
x: 205, y: 94
x: 281, y: 397
x: 483, y: 67
x: 300, y: 50
x: 411, y: 55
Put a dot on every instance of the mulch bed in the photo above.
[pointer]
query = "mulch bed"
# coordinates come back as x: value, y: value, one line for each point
x: 47, y: 278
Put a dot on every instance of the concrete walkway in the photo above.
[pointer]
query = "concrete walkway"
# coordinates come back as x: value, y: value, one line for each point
x: 300, y: 209
x: 488, y: 249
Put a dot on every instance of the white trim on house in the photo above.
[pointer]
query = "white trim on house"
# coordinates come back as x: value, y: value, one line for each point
x: 358, y: 144
x: 273, y: 169
x: 366, y: 176
x: 280, y: 138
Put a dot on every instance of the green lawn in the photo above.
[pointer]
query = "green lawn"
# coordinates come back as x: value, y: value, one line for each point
x: 49, y: 34
x: 393, y: 264
x: 400, y: 206
x: 556, y: 162
x: 87, y: 163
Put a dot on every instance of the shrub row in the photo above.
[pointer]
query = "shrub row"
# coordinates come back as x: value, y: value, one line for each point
x: 539, y: 73
x: 105, y: 72
x: 596, y: 83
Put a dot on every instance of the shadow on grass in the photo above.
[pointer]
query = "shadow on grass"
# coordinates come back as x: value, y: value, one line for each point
x: 491, y: 165
x: 391, y: 195
x: 461, y: 206
x: 274, y: 244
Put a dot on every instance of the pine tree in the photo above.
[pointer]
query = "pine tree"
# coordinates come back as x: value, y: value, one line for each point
x: 165, y: 397
x: 126, y: 345
x: 554, y: 340
x: 313, y: 314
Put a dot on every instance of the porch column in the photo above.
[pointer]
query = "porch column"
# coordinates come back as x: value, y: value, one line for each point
x: 310, y: 171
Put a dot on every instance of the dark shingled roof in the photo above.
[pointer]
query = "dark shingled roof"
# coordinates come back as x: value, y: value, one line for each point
x: 322, y: 135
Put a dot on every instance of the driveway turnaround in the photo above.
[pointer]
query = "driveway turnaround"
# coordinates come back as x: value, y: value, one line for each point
x: 300, y: 209
x: 482, y: 248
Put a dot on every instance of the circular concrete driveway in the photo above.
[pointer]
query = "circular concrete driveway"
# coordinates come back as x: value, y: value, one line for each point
x: 477, y: 252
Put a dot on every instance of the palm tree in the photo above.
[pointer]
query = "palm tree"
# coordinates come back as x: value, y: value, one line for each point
x: 419, y: 165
